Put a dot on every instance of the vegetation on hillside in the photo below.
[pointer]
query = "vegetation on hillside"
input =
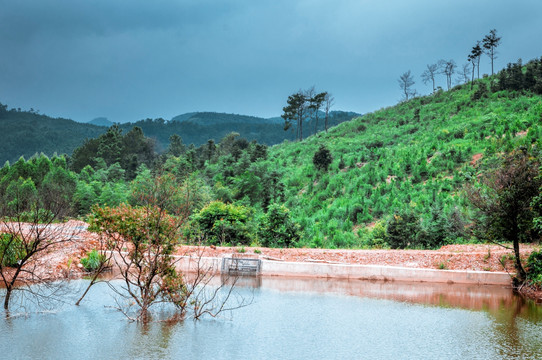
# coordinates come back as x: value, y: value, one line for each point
x: 413, y: 158
x: 27, y: 133
x: 400, y: 167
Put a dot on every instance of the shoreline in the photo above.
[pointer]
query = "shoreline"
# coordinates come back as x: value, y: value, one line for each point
x: 459, y: 263
x: 271, y: 268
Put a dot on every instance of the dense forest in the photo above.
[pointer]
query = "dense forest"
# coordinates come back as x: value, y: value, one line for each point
x: 31, y: 133
x: 403, y: 176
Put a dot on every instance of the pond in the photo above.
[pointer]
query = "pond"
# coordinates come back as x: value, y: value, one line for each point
x: 295, y: 319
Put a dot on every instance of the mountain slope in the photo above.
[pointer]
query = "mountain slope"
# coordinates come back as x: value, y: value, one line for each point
x: 413, y: 157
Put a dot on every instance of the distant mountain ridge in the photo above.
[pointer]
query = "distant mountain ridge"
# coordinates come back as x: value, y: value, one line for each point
x: 198, y: 127
x: 213, y: 118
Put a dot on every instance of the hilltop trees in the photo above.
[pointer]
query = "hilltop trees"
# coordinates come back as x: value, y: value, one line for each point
x: 430, y: 73
x: 295, y: 111
x: 490, y: 43
x: 301, y: 106
x: 474, y: 58
x: 464, y: 74
x: 448, y: 68
x: 328, y: 103
x: 518, y: 77
x: 315, y: 103
x: 405, y: 83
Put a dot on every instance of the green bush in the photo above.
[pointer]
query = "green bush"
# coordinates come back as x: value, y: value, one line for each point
x: 402, y: 229
x: 322, y: 158
x: 93, y: 261
x: 534, y: 268
x: 11, y: 250
x: 434, y: 229
x: 221, y: 223
x: 277, y: 228
x: 378, y: 237
x: 480, y: 93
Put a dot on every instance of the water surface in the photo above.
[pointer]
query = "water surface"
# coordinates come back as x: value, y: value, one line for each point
x: 296, y: 319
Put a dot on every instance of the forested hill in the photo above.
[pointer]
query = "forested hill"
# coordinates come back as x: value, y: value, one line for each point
x: 404, y: 168
x: 25, y: 133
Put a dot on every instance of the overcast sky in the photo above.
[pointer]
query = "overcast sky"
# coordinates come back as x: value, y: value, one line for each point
x: 135, y: 59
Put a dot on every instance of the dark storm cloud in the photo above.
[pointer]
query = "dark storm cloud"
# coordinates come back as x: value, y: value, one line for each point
x: 129, y: 60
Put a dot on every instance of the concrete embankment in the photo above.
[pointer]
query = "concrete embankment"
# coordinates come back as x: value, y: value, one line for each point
x: 356, y: 272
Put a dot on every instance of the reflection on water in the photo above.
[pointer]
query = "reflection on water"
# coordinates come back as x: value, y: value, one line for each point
x: 465, y: 296
x: 297, y: 319
x: 490, y: 298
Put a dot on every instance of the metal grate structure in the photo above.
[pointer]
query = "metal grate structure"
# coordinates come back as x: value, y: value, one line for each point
x: 241, y: 266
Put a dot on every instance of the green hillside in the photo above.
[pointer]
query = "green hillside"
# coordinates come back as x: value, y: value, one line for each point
x: 414, y: 157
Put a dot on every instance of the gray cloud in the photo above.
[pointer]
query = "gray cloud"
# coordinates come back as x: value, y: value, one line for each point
x: 129, y: 60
